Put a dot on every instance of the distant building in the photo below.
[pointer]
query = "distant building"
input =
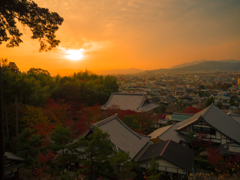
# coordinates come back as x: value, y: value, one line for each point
x: 174, y: 159
x: 11, y: 167
x: 133, y: 102
x: 178, y: 117
x: 219, y: 127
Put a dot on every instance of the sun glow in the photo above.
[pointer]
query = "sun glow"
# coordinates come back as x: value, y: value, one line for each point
x: 75, y: 55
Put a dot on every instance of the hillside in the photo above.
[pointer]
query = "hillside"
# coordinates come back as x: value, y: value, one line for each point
x: 206, y: 66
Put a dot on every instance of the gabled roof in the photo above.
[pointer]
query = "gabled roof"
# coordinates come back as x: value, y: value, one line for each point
x: 121, y: 135
x: 156, y: 133
x: 234, y: 116
x: 170, y: 99
x: 218, y: 119
x: 134, y: 102
x: 172, y: 134
x: 11, y: 156
x: 172, y: 152
x: 186, y: 96
x: 154, y: 99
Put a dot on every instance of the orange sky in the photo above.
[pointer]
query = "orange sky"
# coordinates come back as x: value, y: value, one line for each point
x: 139, y: 34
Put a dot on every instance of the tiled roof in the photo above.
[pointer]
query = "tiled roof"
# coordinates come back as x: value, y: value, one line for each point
x: 218, y: 120
x: 172, y: 152
x: 156, y: 133
x: 121, y: 135
x: 11, y: 156
x: 134, y: 102
x: 180, y: 116
x: 172, y: 134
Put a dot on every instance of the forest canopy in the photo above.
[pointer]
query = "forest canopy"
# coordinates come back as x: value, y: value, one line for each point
x: 35, y: 86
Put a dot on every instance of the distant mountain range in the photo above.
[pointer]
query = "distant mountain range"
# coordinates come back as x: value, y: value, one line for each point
x: 195, y: 66
x: 201, y: 66
x: 200, y: 61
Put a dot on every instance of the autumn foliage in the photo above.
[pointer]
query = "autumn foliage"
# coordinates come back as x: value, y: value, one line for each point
x: 192, y: 110
x: 223, y: 165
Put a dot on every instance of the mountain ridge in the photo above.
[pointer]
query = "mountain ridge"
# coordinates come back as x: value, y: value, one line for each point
x: 200, y: 61
x: 205, y: 66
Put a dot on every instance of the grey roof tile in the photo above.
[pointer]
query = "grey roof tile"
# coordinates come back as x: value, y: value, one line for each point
x: 218, y: 120
x: 134, y: 102
x: 122, y: 136
x: 11, y: 156
x: 172, y: 152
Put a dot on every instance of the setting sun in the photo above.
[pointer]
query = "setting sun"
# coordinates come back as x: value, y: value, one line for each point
x: 74, y: 55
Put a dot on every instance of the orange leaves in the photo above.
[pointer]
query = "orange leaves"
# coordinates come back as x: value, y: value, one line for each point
x: 48, y: 157
x: 192, y: 110
x: 91, y: 114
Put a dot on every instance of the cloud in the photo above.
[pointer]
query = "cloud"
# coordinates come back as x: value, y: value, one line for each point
x: 144, y: 33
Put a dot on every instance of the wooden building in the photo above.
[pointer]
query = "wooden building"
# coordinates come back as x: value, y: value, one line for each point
x: 11, y: 168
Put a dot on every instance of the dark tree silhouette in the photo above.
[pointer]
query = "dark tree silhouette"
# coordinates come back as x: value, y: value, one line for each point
x: 41, y: 22
x: 43, y: 25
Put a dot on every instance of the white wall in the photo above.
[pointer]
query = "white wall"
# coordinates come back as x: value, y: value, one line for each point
x: 164, y: 165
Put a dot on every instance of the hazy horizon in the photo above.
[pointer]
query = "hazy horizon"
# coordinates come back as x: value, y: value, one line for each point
x: 105, y: 35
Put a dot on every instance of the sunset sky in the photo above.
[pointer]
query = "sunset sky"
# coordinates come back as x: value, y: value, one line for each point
x: 121, y: 34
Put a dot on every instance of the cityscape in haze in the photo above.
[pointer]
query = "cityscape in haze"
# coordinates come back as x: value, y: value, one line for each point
x: 119, y: 90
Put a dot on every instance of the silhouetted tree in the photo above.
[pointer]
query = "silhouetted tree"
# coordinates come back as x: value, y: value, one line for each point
x: 41, y: 22
x: 43, y: 25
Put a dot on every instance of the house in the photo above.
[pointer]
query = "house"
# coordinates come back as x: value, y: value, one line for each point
x: 229, y: 149
x: 156, y: 133
x: 134, y: 102
x: 187, y: 99
x: 219, y: 127
x: 234, y: 116
x: 12, y: 165
x: 163, y: 119
x: 121, y: 136
x: 154, y: 100
x: 174, y: 159
x: 180, y: 93
x: 170, y: 99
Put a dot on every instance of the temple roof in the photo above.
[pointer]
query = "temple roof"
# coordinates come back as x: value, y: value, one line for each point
x: 218, y: 119
x: 121, y: 135
x: 134, y: 102
x: 213, y: 116
x: 172, y: 152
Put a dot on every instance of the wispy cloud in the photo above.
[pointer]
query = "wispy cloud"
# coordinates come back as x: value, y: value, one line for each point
x: 145, y: 34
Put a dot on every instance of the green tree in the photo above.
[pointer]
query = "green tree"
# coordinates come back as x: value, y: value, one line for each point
x: 219, y: 105
x: 190, y: 137
x: 124, y: 165
x: 232, y: 102
x: 29, y: 148
x: 13, y: 67
x: 85, y: 87
x: 210, y: 100
x: 43, y: 25
x: 61, y: 137
x: 131, y: 122
x: 152, y: 171
x: 98, y: 150
x: 202, y: 87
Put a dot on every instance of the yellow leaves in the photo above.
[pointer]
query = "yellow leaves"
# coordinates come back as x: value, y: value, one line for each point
x: 33, y: 115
